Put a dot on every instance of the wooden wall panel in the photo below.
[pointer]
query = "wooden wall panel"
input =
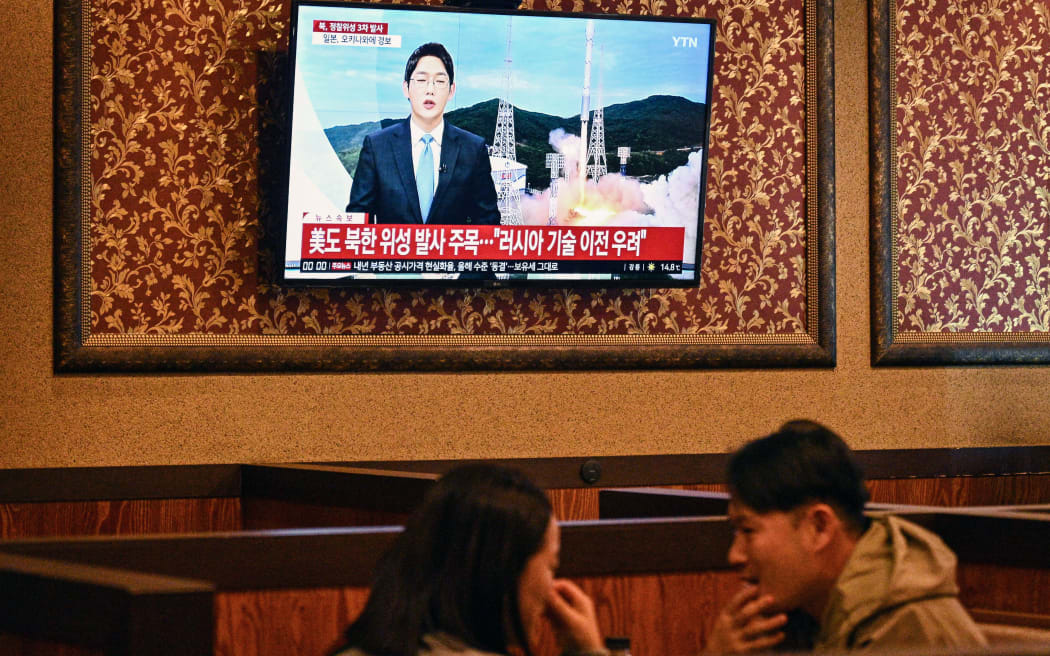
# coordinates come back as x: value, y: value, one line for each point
x: 664, y: 615
x: 710, y: 487
x: 947, y: 491
x: 143, y: 516
x: 84, y: 420
x: 963, y: 491
x: 119, y: 517
x: 997, y: 587
x: 281, y: 622
x: 304, y: 495
x: 574, y: 504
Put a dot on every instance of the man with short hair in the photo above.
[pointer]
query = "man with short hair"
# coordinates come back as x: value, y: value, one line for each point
x: 806, y: 550
x: 423, y: 169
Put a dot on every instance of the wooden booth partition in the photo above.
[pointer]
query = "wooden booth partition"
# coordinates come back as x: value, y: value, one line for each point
x: 193, y: 499
x: 924, y: 477
x: 573, y: 484
x: 280, y: 592
x: 995, y: 476
x: 119, y: 500
x: 307, y: 621
x: 201, y: 498
x: 1003, y: 571
x: 1021, y: 492
x: 62, y: 608
x: 663, y: 614
x: 292, y: 495
x: 657, y: 581
x: 271, y: 592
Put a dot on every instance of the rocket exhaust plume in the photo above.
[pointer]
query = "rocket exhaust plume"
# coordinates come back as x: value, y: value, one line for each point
x: 615, y: 200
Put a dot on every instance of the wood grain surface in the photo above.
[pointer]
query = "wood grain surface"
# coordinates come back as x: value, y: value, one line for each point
x: 280, y: 622
x: 119, y: 517
x: 963, y: 491
x: 664, y: 615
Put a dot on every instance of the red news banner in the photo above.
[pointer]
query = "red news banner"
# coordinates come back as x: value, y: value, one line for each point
x: 549, y: 249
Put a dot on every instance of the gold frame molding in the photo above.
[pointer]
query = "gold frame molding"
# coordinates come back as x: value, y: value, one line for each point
x: 891, y: 346
x: 78, y: 350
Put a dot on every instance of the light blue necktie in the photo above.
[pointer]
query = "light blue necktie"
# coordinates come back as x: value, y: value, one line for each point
x: 425, y: 177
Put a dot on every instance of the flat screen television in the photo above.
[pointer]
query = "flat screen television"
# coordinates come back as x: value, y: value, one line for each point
x: 519, y: 147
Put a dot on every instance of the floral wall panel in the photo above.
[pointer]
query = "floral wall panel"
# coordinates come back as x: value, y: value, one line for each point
x: 969, y: 156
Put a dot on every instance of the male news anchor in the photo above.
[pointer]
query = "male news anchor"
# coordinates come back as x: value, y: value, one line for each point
x: 422, y: 169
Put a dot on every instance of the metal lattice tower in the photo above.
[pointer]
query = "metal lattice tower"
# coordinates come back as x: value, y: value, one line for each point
x: 509, y: 202
x: 596, y: 164
x: 503, y: 143
x: 596, y: 150
x: 508, y: 195
x: 555, y: 162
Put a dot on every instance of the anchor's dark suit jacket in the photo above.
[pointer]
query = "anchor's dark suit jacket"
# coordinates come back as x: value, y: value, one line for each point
x: 385, y: 186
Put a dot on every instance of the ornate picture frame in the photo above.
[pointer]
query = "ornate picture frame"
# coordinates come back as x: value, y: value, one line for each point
x: 80, y: 348
x: 959, y: 329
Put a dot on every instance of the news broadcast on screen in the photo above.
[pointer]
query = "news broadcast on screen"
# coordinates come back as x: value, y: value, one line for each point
x: 434, y: 144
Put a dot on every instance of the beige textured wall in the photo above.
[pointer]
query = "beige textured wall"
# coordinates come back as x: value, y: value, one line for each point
x: 130, y: 420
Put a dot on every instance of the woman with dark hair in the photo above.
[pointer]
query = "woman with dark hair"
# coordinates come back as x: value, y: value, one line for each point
x: 473, y: 573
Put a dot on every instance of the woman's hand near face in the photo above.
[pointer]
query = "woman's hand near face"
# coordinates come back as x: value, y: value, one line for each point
x: 572, y: 613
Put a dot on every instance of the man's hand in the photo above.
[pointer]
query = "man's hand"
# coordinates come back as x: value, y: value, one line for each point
x: 742, y: 626
x: 571, y: 612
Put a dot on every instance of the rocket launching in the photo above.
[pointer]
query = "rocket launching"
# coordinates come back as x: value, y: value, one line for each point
x: 585, y: 110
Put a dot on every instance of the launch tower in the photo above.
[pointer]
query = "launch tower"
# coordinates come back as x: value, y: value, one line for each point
x: 508, y: 191
x: 503, y: 143
x: 597, y: 166
x: 596, y: 151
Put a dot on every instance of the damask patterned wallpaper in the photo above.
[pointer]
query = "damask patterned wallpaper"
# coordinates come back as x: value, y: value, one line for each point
x: 972, y: 132
x: 186, y: 120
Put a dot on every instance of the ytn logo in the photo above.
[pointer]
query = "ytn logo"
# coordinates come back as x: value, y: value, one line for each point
x: 685, y: 42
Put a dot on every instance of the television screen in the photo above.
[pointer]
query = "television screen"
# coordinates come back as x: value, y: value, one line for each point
x: 436, y: 145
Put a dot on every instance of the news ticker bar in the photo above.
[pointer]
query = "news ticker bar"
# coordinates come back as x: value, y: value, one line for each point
x: 662, y: 267
x: 407, y: 242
